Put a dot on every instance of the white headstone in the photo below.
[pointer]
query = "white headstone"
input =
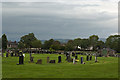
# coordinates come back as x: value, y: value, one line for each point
x: 73, y: 60
x: 24, y: 55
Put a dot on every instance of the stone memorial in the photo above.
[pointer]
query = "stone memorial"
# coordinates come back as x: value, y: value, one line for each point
x: 76, y: 57
x: 73, y: 54
x: 21, y: 59
x: 39, y: 61
x: 6, y: 54
x: 59, y: 59
x: 95, y: 58
x: 52, y: 61
x: 81, y: 60
x: 73, y: 60
x: 90, y: 58
x: 31, y: 59
x: 87, y: 58
x: 48, y: 59
x: 11, y: 54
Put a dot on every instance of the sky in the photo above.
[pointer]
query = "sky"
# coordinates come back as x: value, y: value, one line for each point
x: 59, y: 19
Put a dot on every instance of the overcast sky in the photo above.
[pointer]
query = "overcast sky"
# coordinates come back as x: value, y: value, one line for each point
x: 60, y: 19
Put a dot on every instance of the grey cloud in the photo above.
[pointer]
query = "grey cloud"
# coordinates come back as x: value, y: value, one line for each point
x: 47, y: 23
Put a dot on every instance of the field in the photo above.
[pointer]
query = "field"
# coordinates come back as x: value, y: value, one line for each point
x: 107, y: 67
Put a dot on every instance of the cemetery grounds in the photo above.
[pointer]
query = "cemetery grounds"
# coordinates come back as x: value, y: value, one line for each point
x: 106, y: 67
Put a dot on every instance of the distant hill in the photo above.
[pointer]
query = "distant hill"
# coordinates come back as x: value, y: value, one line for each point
x: 66, y: 40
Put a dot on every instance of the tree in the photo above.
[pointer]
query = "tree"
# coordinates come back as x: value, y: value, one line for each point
x: 100, y: 45
x: 93, y: 41
x: 56, y: 45
x: 77, y: 42
x: 4, y: 42
x: 70, y: 45
x: 36, y: 44
x: 47, y: 44
x: 27, y: 40
x: 21, y: 45
x: 85, y: 43
x: 113, y: 42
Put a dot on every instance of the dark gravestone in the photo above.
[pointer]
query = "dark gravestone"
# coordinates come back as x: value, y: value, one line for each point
x: 73, y: 54
x: 76, y: 57
x: 11, y: 54
x: 87, y: 58
x: 59, y: 59
x: 6, y: 54
x: 52, y: 61
x: 21, y: 59
x: 39, y: 61
x: 48, y: 59
x: 31, y: 59
x: 81, y: 60
x: 90, y: 57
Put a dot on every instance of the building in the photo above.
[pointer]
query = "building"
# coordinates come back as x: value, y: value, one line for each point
x: 11, y: 44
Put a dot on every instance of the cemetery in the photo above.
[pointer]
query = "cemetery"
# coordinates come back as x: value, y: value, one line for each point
x: 68, y: 65
x: 52, y: 59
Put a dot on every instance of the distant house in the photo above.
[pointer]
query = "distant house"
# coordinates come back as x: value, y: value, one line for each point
x: 11, y: 44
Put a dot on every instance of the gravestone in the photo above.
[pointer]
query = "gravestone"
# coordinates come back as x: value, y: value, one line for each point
x: 21, y: 59
x: 31, y: 59
x: 48, y: 59
x: 11, y: 54
x: 39, y: 61
x: 87, y: 58
x: 52, y: 61
x: 73, y: 60
x: 6, y: 54
x: 76, y: 57
x: 59, y: 59
x: 81, y: 60
x: 95, y: 58
x: 90, y: 57
x: 73, y: 54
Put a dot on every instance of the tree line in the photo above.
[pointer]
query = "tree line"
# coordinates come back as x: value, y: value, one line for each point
x: 91, y: 43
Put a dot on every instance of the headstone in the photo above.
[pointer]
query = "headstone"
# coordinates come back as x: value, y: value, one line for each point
x: 11, y: 54
x: 95, y: 58
x: 52, y: 61
x: 31, y: 59
x: 81, y: 60
x: 24, y: 55
x: 76, y: 57
x: 87, y: 58
x: 59, y: 59
x: 21, y: 59
x: 48, y: 59
x: 6, y: 54
x: 39, y: 61
x: 73, y: 54
x: 90, y: 57
x: 73, y: 60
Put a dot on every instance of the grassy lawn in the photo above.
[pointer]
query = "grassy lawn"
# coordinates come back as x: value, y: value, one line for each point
x: 107, y: 67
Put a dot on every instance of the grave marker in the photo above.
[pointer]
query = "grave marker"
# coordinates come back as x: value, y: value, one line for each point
x: 87, y: 58
x: 81, y: 60
x: 59, y: 59
x: 95, y: 58
x: 39, y: 61
x: 52, y: 61
x: 90, y: 57
x: 48, y: 59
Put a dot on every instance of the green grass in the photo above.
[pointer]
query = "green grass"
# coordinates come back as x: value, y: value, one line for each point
x: 107, y: 67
